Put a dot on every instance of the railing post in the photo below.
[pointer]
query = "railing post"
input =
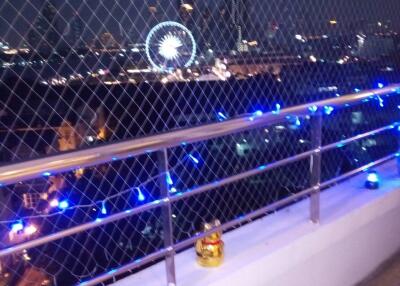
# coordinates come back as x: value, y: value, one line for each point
x: 167, y: 217
x: 315, y: 166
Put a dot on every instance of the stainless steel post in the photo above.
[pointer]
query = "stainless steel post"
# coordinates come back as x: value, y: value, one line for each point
x: 315, y: 166
x: 167, y: 217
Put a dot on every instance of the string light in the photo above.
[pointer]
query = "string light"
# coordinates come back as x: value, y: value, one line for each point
x: 380, y: 101
x: 257, y: 113
x: 194, y: 159
x: 140, y: 196
x: 277, y: 109
x: 328, y: 110
x: 169, y: 179
x: 17, y: 226
x: 103, y: 208
x: 221, y: 116
x: 313, y: 108
x: 63, y: 205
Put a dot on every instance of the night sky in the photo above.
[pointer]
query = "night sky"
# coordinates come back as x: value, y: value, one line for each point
x: 99, y: 16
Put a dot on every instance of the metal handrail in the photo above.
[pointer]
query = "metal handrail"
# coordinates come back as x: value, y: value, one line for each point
x: 85, y: 158
x: 32, y: 169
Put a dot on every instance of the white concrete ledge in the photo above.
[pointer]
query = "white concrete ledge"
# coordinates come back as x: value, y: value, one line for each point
x: 359, y: 229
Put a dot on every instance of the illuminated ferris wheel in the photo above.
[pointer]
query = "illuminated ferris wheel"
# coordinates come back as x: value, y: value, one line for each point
x: 170, y: 46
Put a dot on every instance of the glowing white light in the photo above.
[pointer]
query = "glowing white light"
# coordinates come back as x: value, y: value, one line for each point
x: 169, y: 45
x: 31, y: 229
x: 54, y: 203
x: 168, y: 37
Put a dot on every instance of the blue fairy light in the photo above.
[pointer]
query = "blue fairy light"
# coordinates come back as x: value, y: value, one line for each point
x: 257, y: 113
x: 17, y: 226
x: 277, y: 109
x: 372, y: 181
x: 328, y: 110
x: 194, y: 159
x: 169, y: 179
x: 221, y: 116
x: 313, y: 108
x: 103, y: 208
x: 380, y: 85
x: 140, y: 196
x: 357, y: 90
x: 46, y: 174
x: 63, y: 205
x: 380, y: 101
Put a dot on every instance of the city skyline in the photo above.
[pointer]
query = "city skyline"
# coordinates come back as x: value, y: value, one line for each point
x: 129, y: 21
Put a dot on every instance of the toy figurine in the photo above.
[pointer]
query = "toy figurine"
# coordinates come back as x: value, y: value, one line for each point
x: 210, y: 249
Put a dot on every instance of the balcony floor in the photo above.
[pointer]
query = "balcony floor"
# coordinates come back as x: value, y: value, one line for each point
x: 388, y: 274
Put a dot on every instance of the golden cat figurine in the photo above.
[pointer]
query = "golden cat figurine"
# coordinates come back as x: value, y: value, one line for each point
x: 210, y: 249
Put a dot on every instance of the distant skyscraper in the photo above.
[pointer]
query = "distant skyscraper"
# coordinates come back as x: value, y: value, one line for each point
x: 44, y: 35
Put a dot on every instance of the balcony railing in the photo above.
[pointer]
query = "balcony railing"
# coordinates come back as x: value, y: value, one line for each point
x: 14, y: 173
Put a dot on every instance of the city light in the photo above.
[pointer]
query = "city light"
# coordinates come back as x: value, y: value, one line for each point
x: 169, y: 47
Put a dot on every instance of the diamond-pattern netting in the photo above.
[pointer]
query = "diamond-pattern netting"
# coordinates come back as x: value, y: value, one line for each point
x: 77, y: 74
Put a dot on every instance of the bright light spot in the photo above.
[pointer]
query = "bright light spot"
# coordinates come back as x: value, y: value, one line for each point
x: 298, y: 37
x: 169, y: 179
x: 313, y: 59
x: 194, y: 159
x: 168, y: 47
x: 63, y: 205
x: 141, y: 197
x: 298, y: 123
x: 373, y: 178
x: 173, y: 190
x: 277, y: 109
x: 328, y: 110
x: 15, y: 227
x: 221, y: 116
x: 46, y: 174
x: 103, y: 208
x: 313, y: 108
x: 357, y: 90
x: 31, y: 229
x: 380, y: 85
x: 54, y: 203
x: 380, y: 101
x: 90, y: 138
